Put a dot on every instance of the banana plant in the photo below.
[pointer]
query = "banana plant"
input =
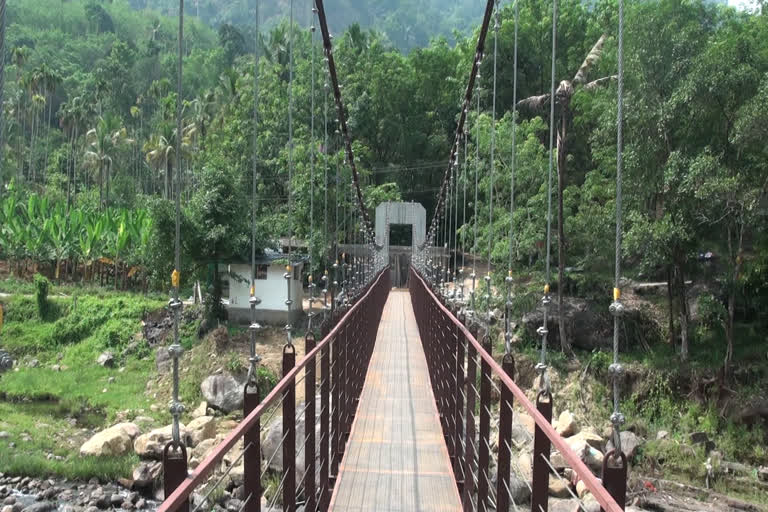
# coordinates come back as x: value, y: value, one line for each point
x: 90, y: 242
x: 58, y: 232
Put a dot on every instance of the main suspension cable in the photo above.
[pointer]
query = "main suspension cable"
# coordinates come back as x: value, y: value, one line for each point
x: 479, y: 50
x: 342, y: 116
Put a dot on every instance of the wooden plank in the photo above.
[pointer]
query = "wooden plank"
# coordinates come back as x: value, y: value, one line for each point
x: 396, y: 459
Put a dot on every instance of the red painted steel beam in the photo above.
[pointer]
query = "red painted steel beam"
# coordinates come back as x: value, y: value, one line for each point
x: 198, y: 476
x: 602, y: 495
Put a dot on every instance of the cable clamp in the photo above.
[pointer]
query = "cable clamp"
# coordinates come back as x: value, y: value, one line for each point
x: 616, y: 308
x: 616, y: 370
x: 176, y: 350
x: 542, y: 331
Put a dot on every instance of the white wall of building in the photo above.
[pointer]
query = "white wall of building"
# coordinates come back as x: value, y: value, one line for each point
x: 272, y: 291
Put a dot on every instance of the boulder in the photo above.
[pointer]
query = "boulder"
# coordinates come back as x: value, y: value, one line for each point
x: 271, y: 447
x: 201, y: 451
x: 163, y: 360
x: 202, y: 410
x: 223, y: 392
x: 152, y: 444
x: 147, y: 474
x: 558, y: 487
x: 590, y: 436
x: 116, y: 440
x: 566, y: 424
x: 589, y: 455
x: 106, y: 359
x: 201, y: 428
x: 629, y: 444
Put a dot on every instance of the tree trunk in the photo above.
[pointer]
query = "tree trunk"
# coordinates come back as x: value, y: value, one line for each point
x: 101, y: 184
x: 683, y: 313
x: 109, y: 171
x: 729, y: 327
x: 671, y: 303
x: 565, y: 345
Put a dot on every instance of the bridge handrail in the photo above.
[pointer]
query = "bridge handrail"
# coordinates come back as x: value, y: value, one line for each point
x: 208, y: 465
x: 601, y: 494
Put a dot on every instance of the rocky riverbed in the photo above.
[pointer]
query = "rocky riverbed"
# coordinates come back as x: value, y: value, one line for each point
x: 26, y: 494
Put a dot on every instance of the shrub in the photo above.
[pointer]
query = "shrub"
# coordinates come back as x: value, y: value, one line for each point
x: 42, y: 286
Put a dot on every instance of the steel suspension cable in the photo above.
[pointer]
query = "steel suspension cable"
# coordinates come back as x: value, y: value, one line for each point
x: 176, y: 350
x: 455, y: 231
x: 508, y: 322
x: 254, y: 301
x: 2, y: 89
x: 541, y: 367
x: 477, y: 210
x: 465, y: 177
x: 617, y: 308
x: 489, y: 287
x: 289, y: 268
x: 326, y: 239
x: 312, y: 286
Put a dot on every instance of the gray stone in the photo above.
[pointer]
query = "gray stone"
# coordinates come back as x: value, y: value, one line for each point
x: 662, y: 434
x: 629, y: 444
x: 223, y: 392
x: 163, y: 360
x: 44, y: 506
x: 106, y: 359
x: 147, y: 474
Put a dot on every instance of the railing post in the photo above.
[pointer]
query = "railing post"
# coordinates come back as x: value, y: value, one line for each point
x: 469, y: 430
x: 336, y: 399
x: 175, y: 470
x: 615, y: 477
x: 309, y: 425
x: 541, y: 451
x: 252, y: 440
x: 289, y: 433
x: 458, y: 405
x: 483, y: 479
x: 505, y: 436
x: 325, y: 415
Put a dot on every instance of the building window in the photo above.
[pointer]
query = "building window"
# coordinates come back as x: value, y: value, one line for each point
x: 225, y: 288
x: 261, y: 272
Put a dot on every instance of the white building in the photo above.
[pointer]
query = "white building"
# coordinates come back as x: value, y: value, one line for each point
x: 271, y: 288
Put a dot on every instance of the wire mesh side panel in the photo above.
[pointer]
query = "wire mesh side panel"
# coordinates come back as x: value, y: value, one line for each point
x: 268, y: 461
x: 503, y: 459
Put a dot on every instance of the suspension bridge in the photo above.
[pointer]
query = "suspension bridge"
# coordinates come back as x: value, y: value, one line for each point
x: 400, y: 386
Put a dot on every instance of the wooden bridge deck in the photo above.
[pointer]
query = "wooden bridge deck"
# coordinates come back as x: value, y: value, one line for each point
x: 396, y: 459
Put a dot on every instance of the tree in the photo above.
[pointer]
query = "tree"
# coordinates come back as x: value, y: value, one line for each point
x: 103, y: 142
x: 563, y: 95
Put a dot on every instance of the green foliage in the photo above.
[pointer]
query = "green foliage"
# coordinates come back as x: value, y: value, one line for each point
x: 41, y: 296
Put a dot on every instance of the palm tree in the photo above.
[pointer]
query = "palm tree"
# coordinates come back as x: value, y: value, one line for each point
x: 103, y: 141
x: 563, y: 96
x: 161, y: 154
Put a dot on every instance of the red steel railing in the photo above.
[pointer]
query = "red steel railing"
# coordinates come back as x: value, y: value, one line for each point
x: 454, y: 357
x: 342, y: 357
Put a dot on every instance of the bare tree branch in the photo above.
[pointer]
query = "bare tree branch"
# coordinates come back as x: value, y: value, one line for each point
x: 592, y: 58
x: 533, y: 103
x: 600, y: 82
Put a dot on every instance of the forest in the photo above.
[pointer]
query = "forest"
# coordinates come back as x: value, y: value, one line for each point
x: 89, y: 126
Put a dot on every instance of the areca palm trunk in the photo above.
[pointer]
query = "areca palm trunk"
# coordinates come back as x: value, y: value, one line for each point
x: 565, y: 344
